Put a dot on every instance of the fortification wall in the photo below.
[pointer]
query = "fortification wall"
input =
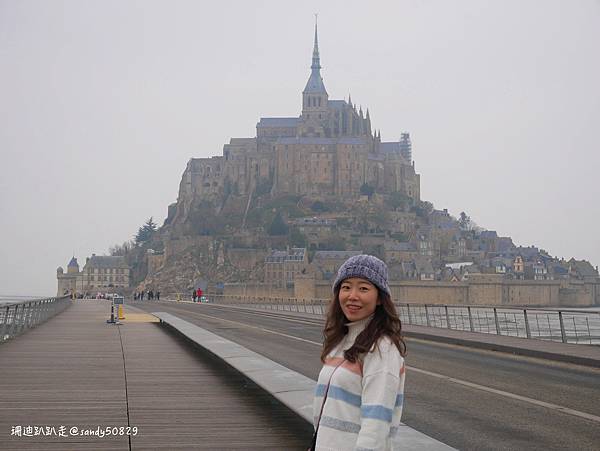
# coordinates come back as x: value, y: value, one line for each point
x: 485, y: 291
x: 257, y: 290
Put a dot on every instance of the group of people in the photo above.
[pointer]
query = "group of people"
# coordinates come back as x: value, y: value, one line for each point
x: 150, y: 295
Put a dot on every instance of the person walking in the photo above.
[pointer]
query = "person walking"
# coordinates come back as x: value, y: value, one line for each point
x: 194, y: 295
x: 158, y: 295
x: 360, y: 391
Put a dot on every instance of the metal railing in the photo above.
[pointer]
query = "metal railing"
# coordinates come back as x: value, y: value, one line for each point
x: 17, y: 317
x: 566, y: 326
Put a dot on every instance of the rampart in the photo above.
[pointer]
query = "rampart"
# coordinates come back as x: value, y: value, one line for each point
x: 480, y: 290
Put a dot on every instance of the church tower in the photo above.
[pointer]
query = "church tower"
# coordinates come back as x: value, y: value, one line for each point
x: 315, y: 97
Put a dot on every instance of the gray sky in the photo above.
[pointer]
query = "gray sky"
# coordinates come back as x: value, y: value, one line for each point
x: 103, y: 102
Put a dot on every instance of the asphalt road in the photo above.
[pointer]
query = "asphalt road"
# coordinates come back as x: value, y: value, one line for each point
x: 470, y: 399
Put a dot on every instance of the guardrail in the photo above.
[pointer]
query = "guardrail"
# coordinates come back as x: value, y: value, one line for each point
x: 17, y: 317
x: 566, y: 326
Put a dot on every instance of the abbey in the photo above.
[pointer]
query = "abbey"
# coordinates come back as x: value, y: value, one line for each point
x: 330, y: 150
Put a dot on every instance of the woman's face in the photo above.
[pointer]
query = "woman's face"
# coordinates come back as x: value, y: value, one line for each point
x: 358, y: 298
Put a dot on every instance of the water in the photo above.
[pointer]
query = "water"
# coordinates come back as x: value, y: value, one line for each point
x: 6, y: 299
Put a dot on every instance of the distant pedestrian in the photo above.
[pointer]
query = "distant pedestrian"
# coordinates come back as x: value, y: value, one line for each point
x: 193, y: 295
x: 142, y: 295
x: 362, y: 336
x: 199, y: 294
x: 158, y: 295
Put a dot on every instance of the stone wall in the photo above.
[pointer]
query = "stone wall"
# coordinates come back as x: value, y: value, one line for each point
x: 580, y: 294
x: 255, y: 290
x: 486, y: 290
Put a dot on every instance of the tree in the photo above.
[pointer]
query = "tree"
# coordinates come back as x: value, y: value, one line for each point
x: 464, y: 222
x: 367, y: 190
x: 121, y: 249
x: 318, y: 206
x: 297, y: 238
x: 399, y: 200
x: 145, y: 232
x: 423, y: 209
x: 278, y: 226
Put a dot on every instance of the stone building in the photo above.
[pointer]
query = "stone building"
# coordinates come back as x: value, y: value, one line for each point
x: 399, y: 252
x: 100, y: 273
x: 327, y: 263
x: 281, y: 267
x: 329, y: 150
x: 67, y: 283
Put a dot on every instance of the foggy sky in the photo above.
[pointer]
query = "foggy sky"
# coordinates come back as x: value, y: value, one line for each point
x: 102, y: 103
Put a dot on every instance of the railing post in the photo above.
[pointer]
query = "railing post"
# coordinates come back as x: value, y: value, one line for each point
x: 15, y: 320
x: 33, y: 313
x: 447, y: 317
x: 563, y: 334
x: 587, y: 322
x: 427, y: 316
x: 470, y: 318
x: 22, y: 318
x: 4, y: 329
x: 527, y: 329
x: 408, y: 310
x: 36, y: 313
x: 24, y: 314
x: 497, y: 322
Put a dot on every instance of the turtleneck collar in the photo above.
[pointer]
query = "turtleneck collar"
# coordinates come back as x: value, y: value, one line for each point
x: 356, y: 327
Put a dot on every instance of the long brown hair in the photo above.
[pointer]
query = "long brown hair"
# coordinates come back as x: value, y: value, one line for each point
x: 385, y: 322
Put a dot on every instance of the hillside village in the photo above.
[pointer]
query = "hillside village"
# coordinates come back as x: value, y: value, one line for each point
x: 277, y: 213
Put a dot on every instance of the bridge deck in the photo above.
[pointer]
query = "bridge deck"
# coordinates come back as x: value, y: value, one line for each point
x: 77, y: 371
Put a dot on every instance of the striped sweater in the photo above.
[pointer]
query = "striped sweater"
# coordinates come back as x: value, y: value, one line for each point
x: 364, y: 404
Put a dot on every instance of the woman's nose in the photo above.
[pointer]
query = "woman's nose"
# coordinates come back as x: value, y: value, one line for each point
x: 353, y: 294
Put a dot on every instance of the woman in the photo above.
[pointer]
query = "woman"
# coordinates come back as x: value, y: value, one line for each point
x: 359, y: 394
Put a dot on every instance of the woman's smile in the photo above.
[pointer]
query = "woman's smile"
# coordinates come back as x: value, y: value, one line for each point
x: 358, y: 298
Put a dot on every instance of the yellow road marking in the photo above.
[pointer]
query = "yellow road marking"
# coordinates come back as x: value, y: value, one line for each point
x: 139, y: 318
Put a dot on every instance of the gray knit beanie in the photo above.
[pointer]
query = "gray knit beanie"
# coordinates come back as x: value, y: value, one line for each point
x: 366, y: 267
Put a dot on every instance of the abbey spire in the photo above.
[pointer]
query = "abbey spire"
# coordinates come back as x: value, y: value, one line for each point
x: 315, y: 81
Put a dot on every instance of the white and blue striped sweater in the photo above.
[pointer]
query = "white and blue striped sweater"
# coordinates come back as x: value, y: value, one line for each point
x: 364, y: 403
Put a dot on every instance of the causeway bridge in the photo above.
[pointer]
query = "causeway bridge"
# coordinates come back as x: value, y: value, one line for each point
x: 239, y: 374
